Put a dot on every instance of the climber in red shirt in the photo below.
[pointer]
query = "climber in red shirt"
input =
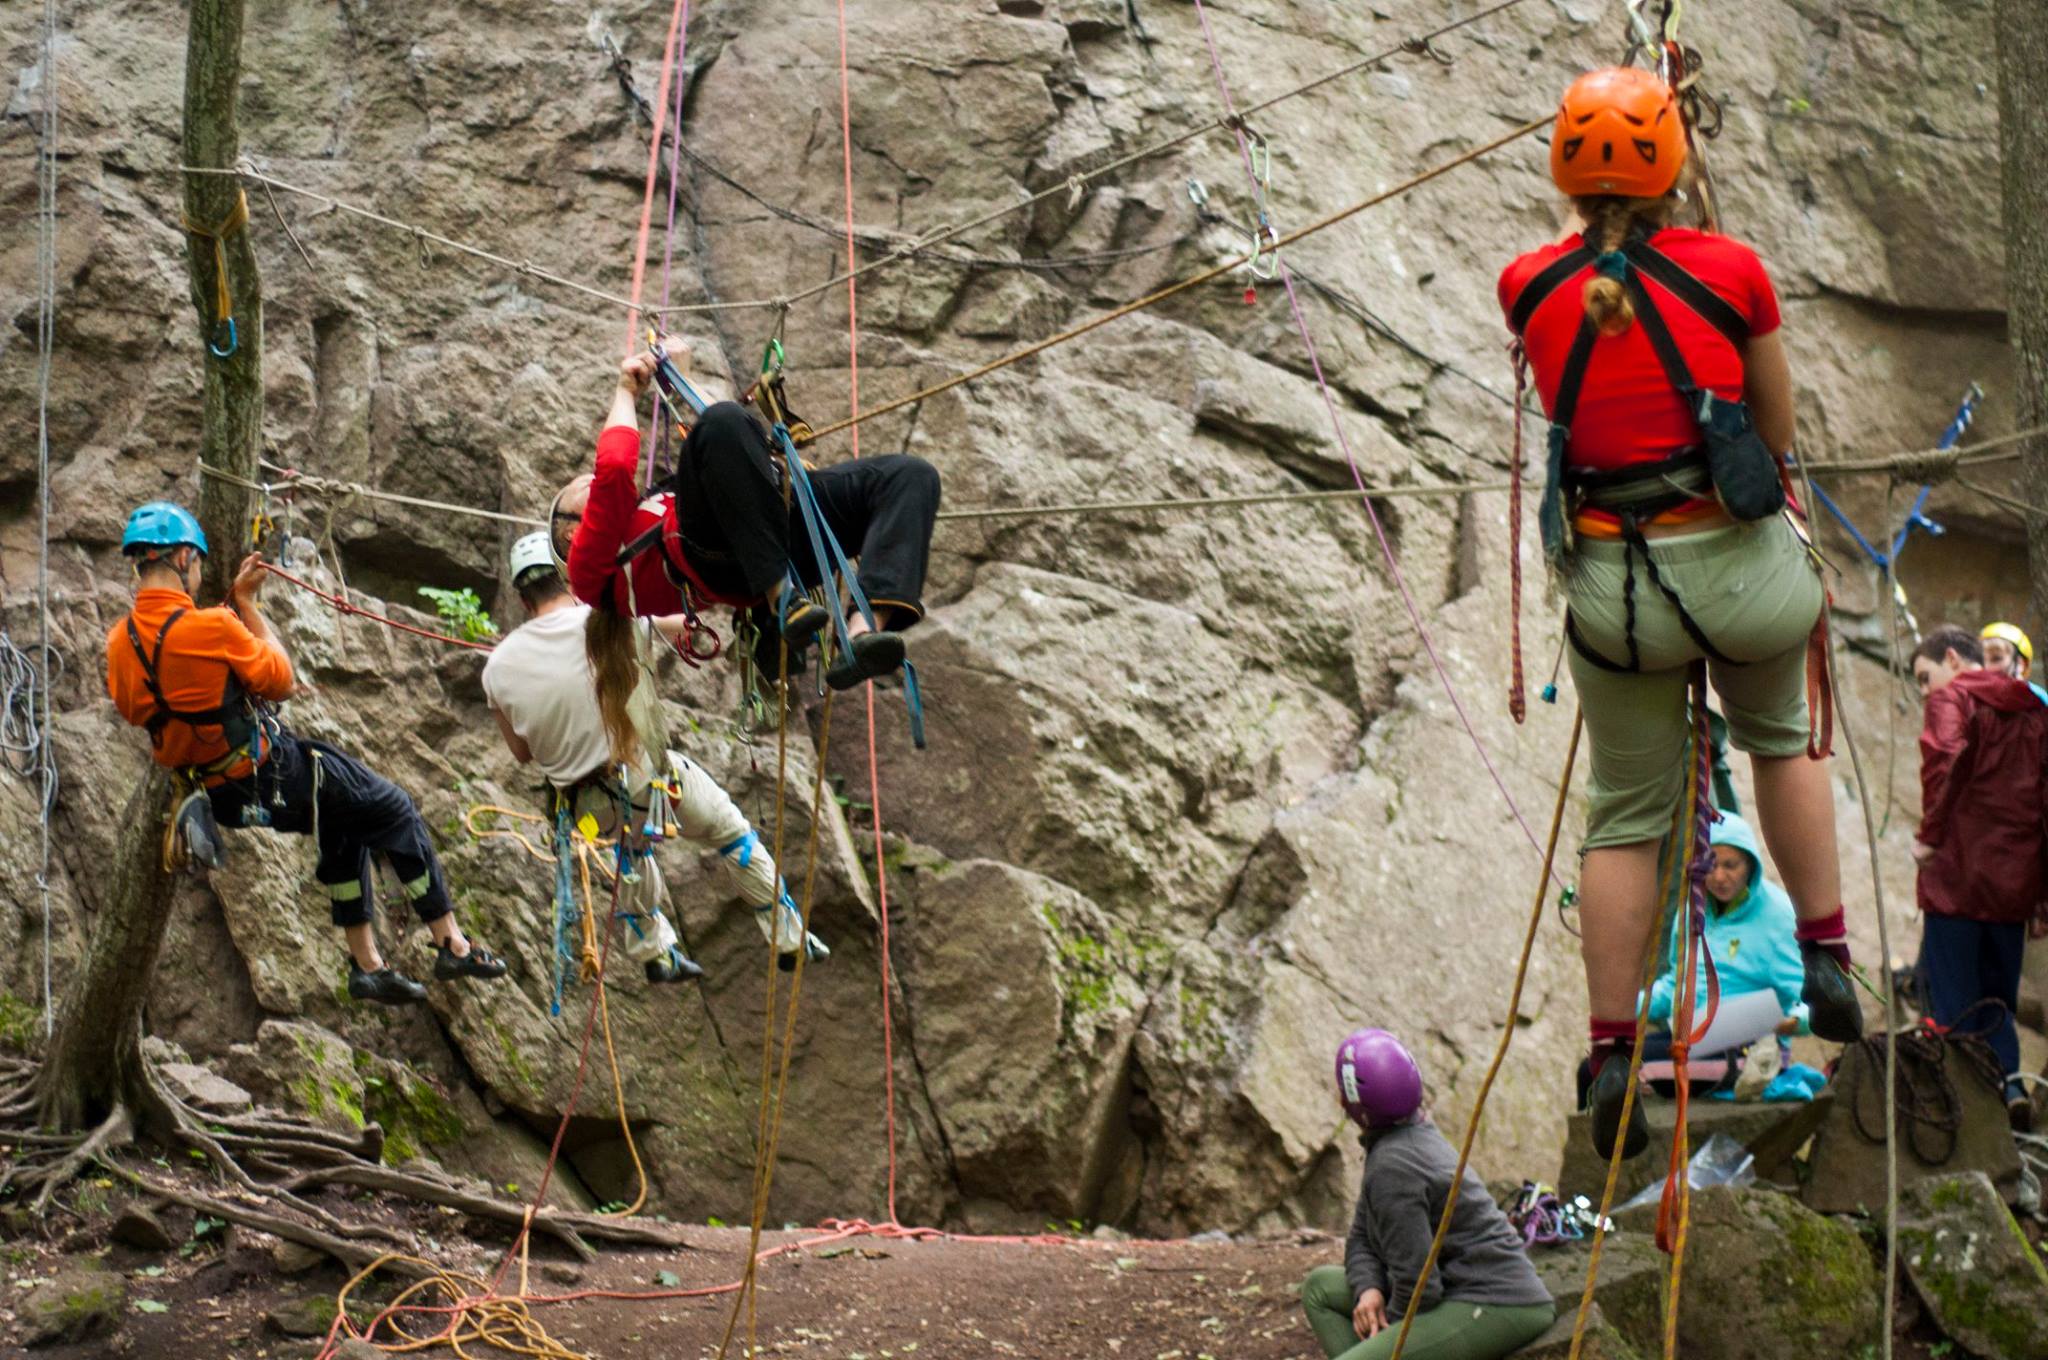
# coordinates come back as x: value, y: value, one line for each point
x: 723, y: 530
x: 1657, y: 355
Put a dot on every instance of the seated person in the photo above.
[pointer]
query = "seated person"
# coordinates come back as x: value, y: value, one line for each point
x: 194, y: 677
x: 1483, y: 1299
x: 731, y: 534
x: 541, y: 692
x: 1750, y: 926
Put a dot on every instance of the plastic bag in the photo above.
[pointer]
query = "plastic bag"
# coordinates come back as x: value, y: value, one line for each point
x: 1721, y: 1160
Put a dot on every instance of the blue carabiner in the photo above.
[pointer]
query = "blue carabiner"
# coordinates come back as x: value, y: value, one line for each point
x: 213, y: 345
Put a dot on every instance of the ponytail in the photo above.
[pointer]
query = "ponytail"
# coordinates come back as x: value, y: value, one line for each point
x: 612, y: 645
x: 1608, y: 223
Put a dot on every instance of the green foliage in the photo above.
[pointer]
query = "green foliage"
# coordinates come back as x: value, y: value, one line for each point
x: 462, y: 611
x: 19, y: 1022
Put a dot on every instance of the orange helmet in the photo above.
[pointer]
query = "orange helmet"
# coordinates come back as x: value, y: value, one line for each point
x: 1618, y: 132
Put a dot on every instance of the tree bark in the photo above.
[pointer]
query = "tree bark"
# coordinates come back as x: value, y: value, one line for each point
x: 2022, y: 29
x: 94, y: 1060
x: 232, y: 439
x: 93, y: 1065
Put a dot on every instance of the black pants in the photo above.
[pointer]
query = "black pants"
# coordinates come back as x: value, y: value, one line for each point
x: 742, y: 539
x: 309, y: 788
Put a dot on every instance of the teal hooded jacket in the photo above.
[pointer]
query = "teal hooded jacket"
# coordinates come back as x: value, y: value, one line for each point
x: 1751, y: 940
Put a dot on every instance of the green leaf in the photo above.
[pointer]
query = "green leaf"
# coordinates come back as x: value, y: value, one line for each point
x: 714, y: 1222
x: 151, y: 1271
x: 667, y: 1279
x: 151, y: 1306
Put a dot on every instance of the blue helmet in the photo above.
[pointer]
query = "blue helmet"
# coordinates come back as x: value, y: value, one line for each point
x: 162, y: 524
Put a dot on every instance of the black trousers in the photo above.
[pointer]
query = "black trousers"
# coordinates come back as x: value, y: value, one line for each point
x: 309, y: 788
x: 742, y: 539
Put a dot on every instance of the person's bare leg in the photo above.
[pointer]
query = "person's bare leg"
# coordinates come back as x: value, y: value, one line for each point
x: 1617, y: 916
x: 446, y: 932
x: 362, y: 947
x: 1795, y: 804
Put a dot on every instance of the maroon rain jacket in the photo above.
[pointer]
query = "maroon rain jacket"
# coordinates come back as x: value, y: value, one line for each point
x: 1982, y: 753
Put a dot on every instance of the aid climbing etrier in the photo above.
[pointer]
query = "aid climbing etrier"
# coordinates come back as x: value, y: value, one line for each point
x: 1730, y: 463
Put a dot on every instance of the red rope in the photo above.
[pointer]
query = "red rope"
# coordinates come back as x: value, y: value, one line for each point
x: 668, y: 66
x: 347, y: 608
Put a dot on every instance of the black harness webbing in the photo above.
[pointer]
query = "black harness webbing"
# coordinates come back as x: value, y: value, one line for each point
x: 233, y: 715
x: 1638, y: 491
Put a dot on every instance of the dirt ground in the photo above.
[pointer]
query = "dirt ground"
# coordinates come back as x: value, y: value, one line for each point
x: 860, y: 1299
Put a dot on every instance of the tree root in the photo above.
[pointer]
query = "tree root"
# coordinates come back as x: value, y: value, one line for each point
x: 566, y: 1226
x: 267, y: 1159
x: 114, y: 1131
x: 349, y: 1253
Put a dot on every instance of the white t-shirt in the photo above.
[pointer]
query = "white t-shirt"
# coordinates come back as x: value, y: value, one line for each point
x: 539, y: 678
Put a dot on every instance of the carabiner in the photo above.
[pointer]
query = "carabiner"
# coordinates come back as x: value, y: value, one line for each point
x: 1265, y: 261
x: 213, y: 343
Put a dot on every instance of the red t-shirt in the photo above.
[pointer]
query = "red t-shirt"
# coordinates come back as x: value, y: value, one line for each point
x: 1628, y: 411
x: 617, y: 515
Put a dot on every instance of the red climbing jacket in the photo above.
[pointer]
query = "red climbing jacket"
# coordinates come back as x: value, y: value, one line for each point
x: 1982, y: 751
x: 615, y: 517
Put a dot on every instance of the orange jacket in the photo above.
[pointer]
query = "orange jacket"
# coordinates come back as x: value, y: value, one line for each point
x: 204, y: 646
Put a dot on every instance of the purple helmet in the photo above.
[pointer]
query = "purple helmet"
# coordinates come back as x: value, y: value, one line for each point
x: 1377, y: 1080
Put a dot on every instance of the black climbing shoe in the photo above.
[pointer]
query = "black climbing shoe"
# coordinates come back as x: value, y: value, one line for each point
x: 2019, y: 1113
x: 479, y: 962
x: 1603, y: 1095
x: 804, y: 621
x: 1832, y: 1009
x: 387, y: 986
x: 673, y: 968
x: 874, y: 655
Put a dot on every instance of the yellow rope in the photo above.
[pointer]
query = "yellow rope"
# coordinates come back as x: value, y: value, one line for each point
x: 1651, y: 954
x: 1507, y: 1037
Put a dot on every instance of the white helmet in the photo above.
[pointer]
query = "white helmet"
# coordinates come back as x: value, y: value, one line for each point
x: 532, y: 550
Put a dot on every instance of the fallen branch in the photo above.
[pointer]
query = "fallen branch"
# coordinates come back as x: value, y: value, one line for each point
x: 568, y: 1225
x: 290, y: 1229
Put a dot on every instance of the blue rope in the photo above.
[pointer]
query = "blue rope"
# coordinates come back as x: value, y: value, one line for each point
x: 1916, y: 517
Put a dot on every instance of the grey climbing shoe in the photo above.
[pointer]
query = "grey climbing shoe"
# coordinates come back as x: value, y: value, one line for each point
x: 673, y: 967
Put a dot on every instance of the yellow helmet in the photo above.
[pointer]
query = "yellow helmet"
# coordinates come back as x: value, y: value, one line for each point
x: 2007, y: 632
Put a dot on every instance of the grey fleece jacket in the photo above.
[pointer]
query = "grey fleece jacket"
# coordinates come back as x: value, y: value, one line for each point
x: 1407, y: 1179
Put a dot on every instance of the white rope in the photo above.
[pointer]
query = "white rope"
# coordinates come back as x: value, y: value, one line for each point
x: 46, y: 327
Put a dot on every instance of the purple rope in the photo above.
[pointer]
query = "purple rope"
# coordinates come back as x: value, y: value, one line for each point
x: 1358, y: 477
x: 664, y: 428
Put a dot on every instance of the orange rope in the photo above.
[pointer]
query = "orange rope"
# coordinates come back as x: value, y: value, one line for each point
x: 668, y: 66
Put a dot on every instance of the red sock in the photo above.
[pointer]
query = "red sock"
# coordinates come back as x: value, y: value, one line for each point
x: 1829, y: 934
x: 1610, y: 1037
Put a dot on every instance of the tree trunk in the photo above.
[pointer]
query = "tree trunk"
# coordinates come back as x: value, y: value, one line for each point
x: 2022, y: 29
x: 232, y: 438
x: 94, y: 1059
x: 93, y: 1064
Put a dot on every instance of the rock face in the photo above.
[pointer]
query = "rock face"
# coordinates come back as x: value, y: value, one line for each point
x: 1973, y: 1268
x: 1196, y: 802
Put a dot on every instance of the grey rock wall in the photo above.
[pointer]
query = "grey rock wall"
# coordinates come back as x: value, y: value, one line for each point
x: 1195, y: 801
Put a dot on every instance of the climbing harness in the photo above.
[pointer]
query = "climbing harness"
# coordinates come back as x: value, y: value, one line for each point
x: 247, y: 724
x: 223, y: 340
x: 1541, y: 1219
x: 1731, y: 462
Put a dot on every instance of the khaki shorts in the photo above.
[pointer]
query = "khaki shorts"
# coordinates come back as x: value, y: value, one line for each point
x: 1755, y: 593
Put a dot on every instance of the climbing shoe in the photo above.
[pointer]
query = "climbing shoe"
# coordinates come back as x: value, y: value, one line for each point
x: 673, y: 967
x: 803, y: 618
x: 479, y: 962
x: 782, y: 923
x: 1602, y: 1093
x: 873, y: 656
x: 2019, y: 1113
x: 387, y: 986
x: 1830, y: 996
